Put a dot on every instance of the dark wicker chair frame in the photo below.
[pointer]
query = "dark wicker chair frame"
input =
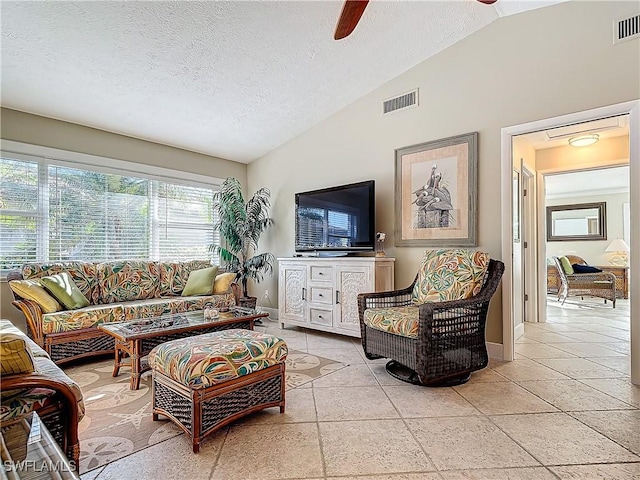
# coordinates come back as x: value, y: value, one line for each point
x: 451, y: 335
x: 60, y: 417
x: 599, y: 284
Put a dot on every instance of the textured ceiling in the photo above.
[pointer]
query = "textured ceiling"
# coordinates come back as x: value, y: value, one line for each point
x: 229, y: 79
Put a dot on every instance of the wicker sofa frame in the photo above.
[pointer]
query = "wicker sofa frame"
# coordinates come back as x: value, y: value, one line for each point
x: 64, y: 347
x: 598, y: 284
x: 451, y: 335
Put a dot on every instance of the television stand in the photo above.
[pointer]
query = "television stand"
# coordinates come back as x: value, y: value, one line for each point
x: 322, y: 293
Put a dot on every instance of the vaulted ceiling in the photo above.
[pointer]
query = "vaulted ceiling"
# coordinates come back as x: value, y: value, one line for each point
x: 229, y: 79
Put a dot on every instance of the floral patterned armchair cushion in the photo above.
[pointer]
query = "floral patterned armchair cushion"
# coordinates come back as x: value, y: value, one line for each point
x: 450, y: 274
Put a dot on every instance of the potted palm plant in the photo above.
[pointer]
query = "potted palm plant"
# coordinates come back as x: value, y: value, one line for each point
x: 240, y: 225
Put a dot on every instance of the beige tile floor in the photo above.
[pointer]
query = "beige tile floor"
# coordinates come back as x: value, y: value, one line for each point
x: 565, y: 408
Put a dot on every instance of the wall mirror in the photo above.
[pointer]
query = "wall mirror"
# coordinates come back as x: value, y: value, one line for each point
x: 583, y: 221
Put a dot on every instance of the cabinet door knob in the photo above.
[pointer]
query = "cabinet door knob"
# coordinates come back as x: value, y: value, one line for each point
x: 337, y: 296
x: 304, y: 293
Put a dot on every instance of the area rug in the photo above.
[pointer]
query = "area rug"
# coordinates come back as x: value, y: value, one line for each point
x: 118, y: 420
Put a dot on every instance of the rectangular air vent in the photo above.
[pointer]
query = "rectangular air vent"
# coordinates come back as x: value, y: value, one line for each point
x: 401, y: 102
x: 626, y: 29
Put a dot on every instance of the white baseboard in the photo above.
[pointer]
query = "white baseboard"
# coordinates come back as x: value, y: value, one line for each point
x: 273, y: 313
x: 495, y: 350
x: 518, y: 331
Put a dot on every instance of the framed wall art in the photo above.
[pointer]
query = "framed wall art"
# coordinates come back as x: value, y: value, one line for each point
x: 436, y: 193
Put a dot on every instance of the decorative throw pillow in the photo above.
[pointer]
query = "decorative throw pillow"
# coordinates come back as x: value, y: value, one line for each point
x: 16, y: 354
x: 566, y: 265
x: 62, y: 287
x: 450, y: 274
x: 200, y: 282
x: 577, y: 268
x: 223, y: 283
x: 32, y: 290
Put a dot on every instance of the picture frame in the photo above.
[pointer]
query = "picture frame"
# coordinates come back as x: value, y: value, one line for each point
x: 436, y: 190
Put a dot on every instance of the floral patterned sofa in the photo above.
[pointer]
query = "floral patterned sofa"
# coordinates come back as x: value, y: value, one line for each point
x: 117, y: 291
x: 30, y: 381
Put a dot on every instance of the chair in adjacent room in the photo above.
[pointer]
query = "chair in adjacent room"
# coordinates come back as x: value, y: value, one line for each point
x: 595, y: 284
x: 433, y: 331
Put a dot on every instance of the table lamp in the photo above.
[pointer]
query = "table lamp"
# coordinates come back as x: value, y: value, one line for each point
x: 620, y: 251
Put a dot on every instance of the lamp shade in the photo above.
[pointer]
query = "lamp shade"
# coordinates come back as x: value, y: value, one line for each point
x: 617, y: 245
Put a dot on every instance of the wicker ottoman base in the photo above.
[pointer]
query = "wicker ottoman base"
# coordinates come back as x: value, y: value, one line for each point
x: 200, y: 412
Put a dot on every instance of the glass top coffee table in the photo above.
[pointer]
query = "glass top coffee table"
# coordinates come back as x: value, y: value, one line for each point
x: 136, y: 338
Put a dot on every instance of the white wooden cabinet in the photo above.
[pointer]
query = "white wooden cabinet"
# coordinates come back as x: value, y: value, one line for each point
x: 322, y: 293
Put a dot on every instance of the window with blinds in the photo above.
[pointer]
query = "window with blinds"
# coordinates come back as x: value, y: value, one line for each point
x: 51, y: 212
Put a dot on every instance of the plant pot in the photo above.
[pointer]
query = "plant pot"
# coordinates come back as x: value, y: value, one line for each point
x: 248, y: 302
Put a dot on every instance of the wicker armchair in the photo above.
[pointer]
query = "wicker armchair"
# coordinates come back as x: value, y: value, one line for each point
x: 600, y: 284
x: 450, y: 341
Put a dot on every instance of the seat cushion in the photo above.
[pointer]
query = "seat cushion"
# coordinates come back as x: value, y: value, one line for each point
x: 123, y: 281
x: 91, y: 316
x: 189, y: 304
x: 397, y: 320
x: 159, y: 306
x: 213, y: 358
x: 174, y: 275
x: 450, y: 274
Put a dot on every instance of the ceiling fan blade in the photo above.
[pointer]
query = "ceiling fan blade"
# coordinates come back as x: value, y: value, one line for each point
x: 349, y: 18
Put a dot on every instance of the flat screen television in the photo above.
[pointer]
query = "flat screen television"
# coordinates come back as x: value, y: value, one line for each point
x: 336, y: 219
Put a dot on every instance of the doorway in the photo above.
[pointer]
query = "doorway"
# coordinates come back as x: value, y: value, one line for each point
x: 509, y: 136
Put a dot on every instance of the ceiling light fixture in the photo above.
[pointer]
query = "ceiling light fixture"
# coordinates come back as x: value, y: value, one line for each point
x: 584, y: 140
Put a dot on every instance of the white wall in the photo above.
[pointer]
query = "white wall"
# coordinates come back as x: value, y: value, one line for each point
x: 522, y: 68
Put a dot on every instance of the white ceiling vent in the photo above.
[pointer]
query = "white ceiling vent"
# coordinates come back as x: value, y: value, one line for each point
x: 401, y: 102
x: 626, y: 29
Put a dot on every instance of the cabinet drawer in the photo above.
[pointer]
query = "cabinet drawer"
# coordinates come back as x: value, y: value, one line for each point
x: 321, y: 295
x: 321, y: 272
x: 318, y: 316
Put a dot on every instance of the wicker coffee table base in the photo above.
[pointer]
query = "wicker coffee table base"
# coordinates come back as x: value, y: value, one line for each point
x: 200, y: 412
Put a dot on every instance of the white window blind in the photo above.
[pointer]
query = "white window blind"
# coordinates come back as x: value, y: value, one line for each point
x: 53, y: 212
x: 19, y: 211
x: 185, y: 217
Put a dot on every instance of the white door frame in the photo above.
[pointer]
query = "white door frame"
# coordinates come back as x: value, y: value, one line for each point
x: 633, y: 109
x: 529, y: 209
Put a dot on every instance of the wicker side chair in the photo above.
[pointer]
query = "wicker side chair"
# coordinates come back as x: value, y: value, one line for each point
x: 600, y: 284
x: 450, y: 341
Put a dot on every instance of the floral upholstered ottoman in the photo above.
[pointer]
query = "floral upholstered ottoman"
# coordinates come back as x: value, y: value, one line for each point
x: 207, y: 381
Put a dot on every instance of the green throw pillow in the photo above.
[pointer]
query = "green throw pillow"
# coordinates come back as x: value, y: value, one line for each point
x: 566, y: 265
x: 62, y: 287
x: 200, y: 282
